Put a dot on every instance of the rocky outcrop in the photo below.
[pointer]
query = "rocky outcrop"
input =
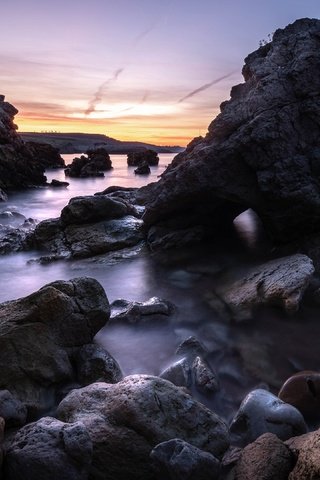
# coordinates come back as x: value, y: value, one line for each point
x: 137, y: 158
x: 19, y: 168
x: 279, y: 282
x: 89, y: 226
x: 96, y: 162
x: 128, y: 419
x: 262, y: 150
x: 38, y: 334
x: 47, y: 155
x: 142, y: 169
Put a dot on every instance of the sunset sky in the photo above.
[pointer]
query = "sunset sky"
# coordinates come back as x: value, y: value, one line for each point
x: 124, y: 67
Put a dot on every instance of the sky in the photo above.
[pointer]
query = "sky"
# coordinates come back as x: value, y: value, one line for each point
x: 131, y: 69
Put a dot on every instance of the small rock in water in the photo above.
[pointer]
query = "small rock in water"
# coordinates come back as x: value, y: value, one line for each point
x: 133, y: 312
x: 302, y: 390
x: 58, y: 183
x: 142, y: 169
x: 262, y: 412
x: 178, y: 460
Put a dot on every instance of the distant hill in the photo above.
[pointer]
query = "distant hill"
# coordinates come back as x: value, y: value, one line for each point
x: 80, y: 142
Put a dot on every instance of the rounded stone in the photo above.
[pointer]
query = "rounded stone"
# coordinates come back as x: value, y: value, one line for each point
x: 302, y: 390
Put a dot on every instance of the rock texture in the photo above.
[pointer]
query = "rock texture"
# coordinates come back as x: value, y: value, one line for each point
x: 47, y: 155
x: 127, y: 420
x: 19, y: 168
x: 279, y: 282
x: 306, y: 450
x: 89, y: 226
x: 262, y: 150
x: 38, y: 333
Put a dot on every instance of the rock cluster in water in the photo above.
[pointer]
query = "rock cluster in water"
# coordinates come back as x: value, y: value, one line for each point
x: 262, y: 150
x: 94, y: 164
x: 135, y: 159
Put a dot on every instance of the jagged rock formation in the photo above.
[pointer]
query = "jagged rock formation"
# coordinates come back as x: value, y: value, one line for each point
x: 19, y: 167
x: 263, y: 149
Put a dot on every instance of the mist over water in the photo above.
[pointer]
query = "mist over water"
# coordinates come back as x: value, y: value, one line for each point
x: 245, y: 355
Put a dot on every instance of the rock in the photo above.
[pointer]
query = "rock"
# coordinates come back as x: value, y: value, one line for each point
x: 279, y: 282
x: 37, y: 333
x: 302, y: 390
x: 3, y: 196
x: 58, y: 183
x: 13, y: 218
x: 127, y: 420
x: 162, y: 238
x: 261, y: 151
x: 262, y: 412
x: 267, y: 458
x: 206, y: 380
x: 94, y: 364
x: 81, y: 210
x: 134, y: 312
x: 179, y: 373
x: 19, y: 168
x: 12, y: 239
x: 143, y: 168
x: 93, y: 165
x: 12, y: 410
x: 150, y: 157
x: 49, y: 449
x: 305, y: 448
x: 47, y: 155
x: 178, y: 460
x: 191, y: 347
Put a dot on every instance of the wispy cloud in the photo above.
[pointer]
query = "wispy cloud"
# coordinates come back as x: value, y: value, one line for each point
x: 98, y: 95
x: 205, y: 86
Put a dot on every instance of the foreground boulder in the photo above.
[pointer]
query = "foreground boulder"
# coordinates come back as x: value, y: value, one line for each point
x: 279, y: 282
x: 19, y: 167
x: 39, y: 332
x: 89, y: 226
x: 302, y: 390
x: 262, y: 150
x: 127, y: 420
x: 305, y: 449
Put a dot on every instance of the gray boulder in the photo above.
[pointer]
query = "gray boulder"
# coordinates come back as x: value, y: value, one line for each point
x: 51, y: 450
x: 262, y: 412
x: 94, y: 364
x: 127, y: 420
x: 178, y: 460
x: 38, y: 332
x: 262, y: 150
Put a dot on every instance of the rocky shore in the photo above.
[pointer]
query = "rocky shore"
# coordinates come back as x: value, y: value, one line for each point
x: 67, y: 411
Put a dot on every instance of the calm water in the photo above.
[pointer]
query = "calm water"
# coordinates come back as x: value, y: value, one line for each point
x: 267, y: 349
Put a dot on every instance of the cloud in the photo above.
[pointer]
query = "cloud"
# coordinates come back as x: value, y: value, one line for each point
x: 98, y: 95
x: 205, y: 87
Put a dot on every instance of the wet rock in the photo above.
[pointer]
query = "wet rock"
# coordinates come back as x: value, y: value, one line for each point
x: 267, y: 458
x: 47, y: 155
x: 279, y: 282
x: 150, y: 157
x: 100, y: 157
x: 178, y: 460
x: 206, y: 380
x: 12, y: 239
x: 95, y: 364
x: 13, y: 218
x: 128, y: 419
x: 191, y: 347
x: 261, y: 151
x: 162, y: 238
x: 142, y: 169
x: 262, y: 412
x: 49, y: 449
x: 179, y: 373
x: 12, y: 410
x: 134, y: 312
x: 58, y: 183
x: 305, y: 449
x: 37, y: 333
x: 302, y: 390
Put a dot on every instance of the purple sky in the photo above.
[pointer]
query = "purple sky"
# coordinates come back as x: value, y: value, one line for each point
x: 120, y: 67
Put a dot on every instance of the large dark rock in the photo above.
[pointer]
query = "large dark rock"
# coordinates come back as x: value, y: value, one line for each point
x: 262, y: 151
x: 39, y: 332
x: 127, y: 420
x: 93, y: 165
x: 19, y: 167
x: 148, y: 156
x: 47, y: 155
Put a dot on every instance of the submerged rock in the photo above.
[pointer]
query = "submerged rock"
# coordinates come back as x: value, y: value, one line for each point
x: 127, y: 420
x: 262, y: 412
x: 38, y: 332
x: 279, y: 282
x: 58, y: 183
x: 262, y: 150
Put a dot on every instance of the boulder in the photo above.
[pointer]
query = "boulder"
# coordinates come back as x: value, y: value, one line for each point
x: 94, y: 364
x: 38, y: 333
x: 279, y: 282
x: 150, y: 157
x: 19, y: 166
x: 305, y: 449
x: 127, y: 420
x: 302, y: 390
x: 262, y: 412
x: 58, y: 183
x: 134, y: 312
x: 178, y: 460
x: 143, y: 168
x: 51, y: 450
x: 47, y: 155
x: 93, y: 165
x: 267, y: 458
x: 262, y: 150
x: 12, y: 410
